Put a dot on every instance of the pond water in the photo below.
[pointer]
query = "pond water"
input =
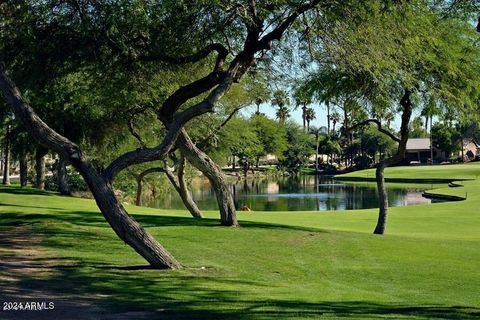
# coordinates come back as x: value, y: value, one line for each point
x: 303, y: 193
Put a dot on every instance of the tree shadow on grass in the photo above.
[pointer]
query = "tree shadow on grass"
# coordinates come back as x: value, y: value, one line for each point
x: 26, y: 191
x: 76, y: 285
x: 95, y: 219
x: 175, y: 295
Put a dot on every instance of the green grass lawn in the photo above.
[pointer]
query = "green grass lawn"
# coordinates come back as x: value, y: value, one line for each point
x: 279, y: 265
x: 451, y: 171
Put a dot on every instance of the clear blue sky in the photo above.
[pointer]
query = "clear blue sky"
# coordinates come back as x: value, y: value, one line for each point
x: 320, y: 111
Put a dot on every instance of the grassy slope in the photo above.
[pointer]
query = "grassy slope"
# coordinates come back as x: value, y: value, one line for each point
x: 455, y: 171
x: 278, y: 265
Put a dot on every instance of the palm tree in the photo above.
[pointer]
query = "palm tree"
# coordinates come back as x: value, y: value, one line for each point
x: 335, y: 118
x: 328, y: 117
x: 258, y: 102
x: 281, y: 100
x: 283, y: 113
x: 429, y: 110
x: 303, y: 99
x: 309, y: 116
x: 317, y: 132
x: 388, y: 117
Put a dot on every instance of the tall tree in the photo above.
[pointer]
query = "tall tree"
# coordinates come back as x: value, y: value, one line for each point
x: 176, y: 176
x: 281, y: 101
x: 6, y: 156
x: 309, y: 117
x: 335, y: 118
x: 397, y: 53
x: 302, y: 100
x: 259, y: 26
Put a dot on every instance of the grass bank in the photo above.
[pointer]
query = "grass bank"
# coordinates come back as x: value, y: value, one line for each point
x: 450, y: 172
x: 287, y: 265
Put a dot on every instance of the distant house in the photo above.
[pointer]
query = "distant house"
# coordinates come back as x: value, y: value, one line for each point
x: 418, y: 150
x: 471, y: 149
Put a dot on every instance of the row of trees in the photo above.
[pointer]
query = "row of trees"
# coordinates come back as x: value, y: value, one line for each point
x: 134, y: 85
x: 27, y: 158
x: 133, y: 49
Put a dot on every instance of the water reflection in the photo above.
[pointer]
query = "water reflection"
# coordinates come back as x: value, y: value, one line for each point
x: 303, y: 193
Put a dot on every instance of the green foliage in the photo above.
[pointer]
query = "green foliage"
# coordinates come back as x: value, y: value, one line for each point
x: 374, y: 50
x: 242, y: 141
x: 329, y: 145
x: 373, y: 142
x: 75, y: 182
x: 421, y: 236
x: 446, y: 138
x: 281, y: 101
x: 301, y: 146
x: 417, y: 129
x: 271, y: 134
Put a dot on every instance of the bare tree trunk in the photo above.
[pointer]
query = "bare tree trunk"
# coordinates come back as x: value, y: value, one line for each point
x: 23, y: 171
x: 217, y: 83
x: 40, y: 170
x: 461, y: 148
x: 304, y: 117
x: 121, y: 222
x: 328, y: 118
x: 6, y: 168
x: 124, y: 225
x: 380, y: 176
x: 139, y: 197
x: 62, y: 177
x: 180, y: 185
x: 317, y: 145
x: 382, y: 199
x: 226, y: 205
x: 431, y: 139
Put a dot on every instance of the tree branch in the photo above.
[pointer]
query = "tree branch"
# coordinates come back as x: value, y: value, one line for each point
x: 219, y: 48
x: 134, y: 132
x: 379, y: 126
x: 265, y: 43
x: 142, y: 155
x: 204, y: 142
x: 149, y: 171
x: 45, y: 135
x: 187, y: 92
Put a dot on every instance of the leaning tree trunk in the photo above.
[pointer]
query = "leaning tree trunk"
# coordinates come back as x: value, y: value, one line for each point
x: 304, y: 117
x: 6, y: 168
x: 177, y: 182
x: 139, y: 197
x: 62, y: 177
x: 40, y: 170
x: 184, y: 192
x: 382, y: 199
x: 126, y: 228
x: 226, y: 205
x: 23, y: 170
x: 380, y: 176
x: 124, y: 225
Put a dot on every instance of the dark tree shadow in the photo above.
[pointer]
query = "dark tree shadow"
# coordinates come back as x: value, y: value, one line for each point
x: 78, y: 286
x: 26, y: 191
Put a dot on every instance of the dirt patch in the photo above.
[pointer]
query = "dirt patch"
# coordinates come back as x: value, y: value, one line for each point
x: 24, y: 272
